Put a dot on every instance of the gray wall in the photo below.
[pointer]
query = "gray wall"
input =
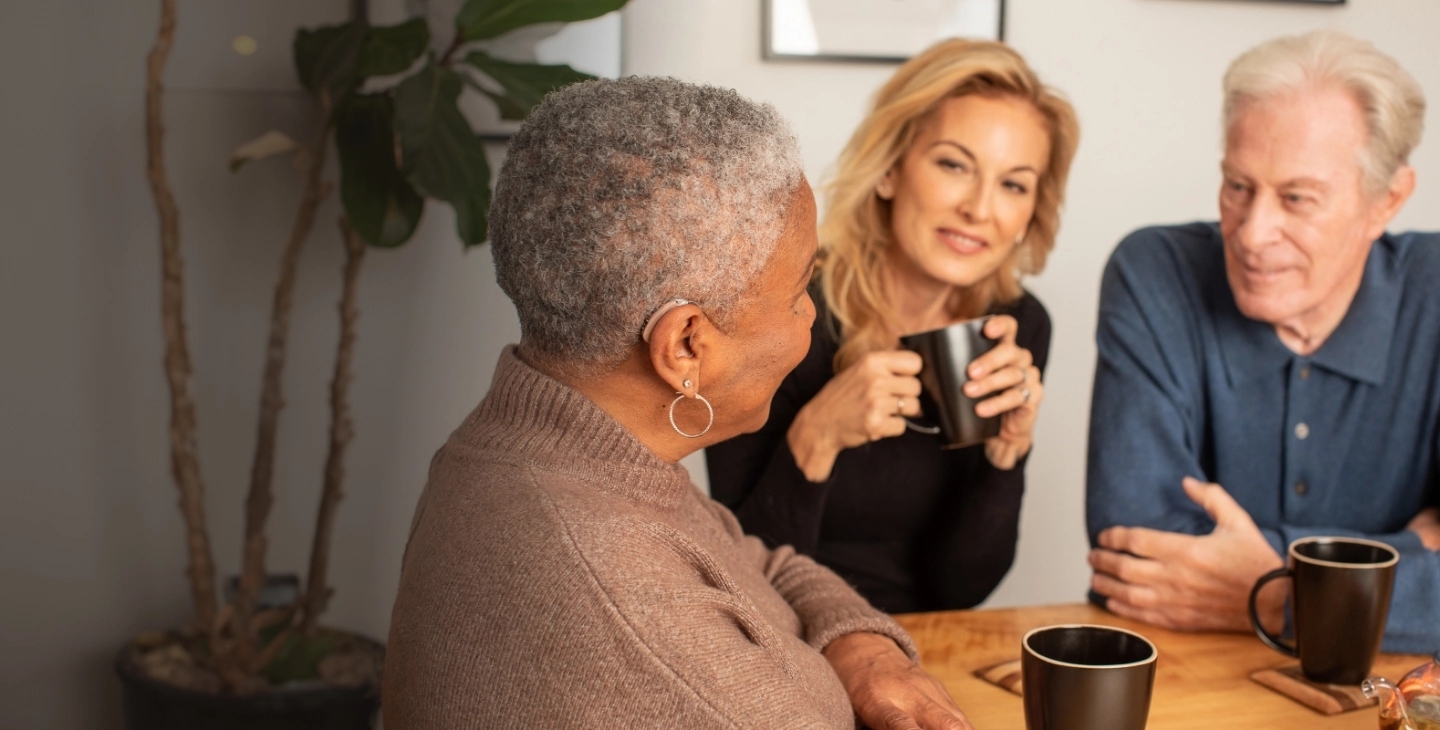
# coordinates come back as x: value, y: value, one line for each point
x: 89, y: 532
x: 90, y: 541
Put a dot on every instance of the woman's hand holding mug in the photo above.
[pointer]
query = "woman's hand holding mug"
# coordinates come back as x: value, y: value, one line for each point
x: 865, y: 402
x: 869, y: 400
x: 1007, y: 373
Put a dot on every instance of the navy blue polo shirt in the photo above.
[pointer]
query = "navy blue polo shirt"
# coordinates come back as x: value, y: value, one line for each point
x: 1342, y: 442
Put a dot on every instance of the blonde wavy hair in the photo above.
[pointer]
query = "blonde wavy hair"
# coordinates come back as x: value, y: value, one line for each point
x: 855, y: 234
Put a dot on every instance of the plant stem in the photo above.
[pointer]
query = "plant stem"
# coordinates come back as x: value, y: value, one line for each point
x: 261, y: 495
x: 317, y: 593
x: 266, y: 619
x: 184, y: 462
x: 454, y: 46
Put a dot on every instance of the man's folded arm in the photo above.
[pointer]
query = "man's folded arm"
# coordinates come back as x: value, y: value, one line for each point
x: 1143, y: 437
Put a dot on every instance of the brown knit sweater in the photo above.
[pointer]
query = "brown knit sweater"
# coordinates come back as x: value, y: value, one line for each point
x: 561, y: 575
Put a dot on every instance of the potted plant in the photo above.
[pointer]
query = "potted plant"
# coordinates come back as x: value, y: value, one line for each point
x: 389, y: 105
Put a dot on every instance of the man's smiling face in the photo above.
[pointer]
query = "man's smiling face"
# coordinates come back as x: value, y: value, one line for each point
x: 1296, y: 216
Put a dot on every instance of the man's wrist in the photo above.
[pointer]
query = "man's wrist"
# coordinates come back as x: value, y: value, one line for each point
x: 1429, y: 537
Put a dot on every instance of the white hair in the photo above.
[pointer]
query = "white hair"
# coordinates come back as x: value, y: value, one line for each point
x: 618, y: 195
x: 1393, y: 102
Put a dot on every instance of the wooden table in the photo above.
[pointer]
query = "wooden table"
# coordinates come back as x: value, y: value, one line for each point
x: 1201, y: 681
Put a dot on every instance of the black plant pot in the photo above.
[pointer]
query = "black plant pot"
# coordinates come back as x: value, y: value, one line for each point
x: 151, y: 705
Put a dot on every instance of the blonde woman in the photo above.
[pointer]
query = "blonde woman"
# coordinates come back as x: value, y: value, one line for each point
x: 947, y: 194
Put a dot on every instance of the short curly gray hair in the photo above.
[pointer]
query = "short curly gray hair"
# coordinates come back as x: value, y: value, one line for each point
x: 617, y: 195
x: 1393, y: 102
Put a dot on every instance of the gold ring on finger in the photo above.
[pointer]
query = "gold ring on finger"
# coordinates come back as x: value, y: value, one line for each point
x: 899, y: 406
x: 1024, y: 396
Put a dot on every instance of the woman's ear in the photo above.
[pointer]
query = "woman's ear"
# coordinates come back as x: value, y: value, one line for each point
x: 886, y: 187
x: 677, y: 346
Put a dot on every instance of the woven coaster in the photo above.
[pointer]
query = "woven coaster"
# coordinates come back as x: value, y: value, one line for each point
x: 1326, y: 699
x: 1005, y: 675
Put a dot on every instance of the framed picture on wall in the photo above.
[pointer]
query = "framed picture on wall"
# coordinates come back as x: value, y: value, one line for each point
x: 873, y: 30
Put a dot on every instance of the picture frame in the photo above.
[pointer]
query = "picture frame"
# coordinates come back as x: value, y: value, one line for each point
x: 872, y: 31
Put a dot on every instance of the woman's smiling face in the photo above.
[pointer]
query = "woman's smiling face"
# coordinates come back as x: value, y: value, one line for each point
x: 965, y: 190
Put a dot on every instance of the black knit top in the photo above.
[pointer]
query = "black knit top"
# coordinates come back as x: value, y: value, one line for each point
x: 912, y: 526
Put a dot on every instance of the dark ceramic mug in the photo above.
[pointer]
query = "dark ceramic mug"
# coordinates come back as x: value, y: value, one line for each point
x: 1084, y: 677
x: 947, y: 352
x: 1341, y: 598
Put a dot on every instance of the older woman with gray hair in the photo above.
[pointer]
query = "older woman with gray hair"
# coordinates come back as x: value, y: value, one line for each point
x: 562, y: 571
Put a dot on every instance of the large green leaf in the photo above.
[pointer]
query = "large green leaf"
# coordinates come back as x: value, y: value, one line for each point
x: 380, y: 202
x: 327, y: 58
x: 525, y: 84
x: 391, y: 49
x: 442, y: 155
x: 480, y: 19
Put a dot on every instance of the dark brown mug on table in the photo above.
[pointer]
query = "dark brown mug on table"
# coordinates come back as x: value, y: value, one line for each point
x: 947, y: 352
x: 1086, y: 678
x: 1341, y: 598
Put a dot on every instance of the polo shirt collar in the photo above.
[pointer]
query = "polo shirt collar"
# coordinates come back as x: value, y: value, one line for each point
x: 1358, y: 349
x: 1249, y: 348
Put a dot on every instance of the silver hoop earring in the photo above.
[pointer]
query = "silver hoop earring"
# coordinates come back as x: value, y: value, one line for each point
x: 708, y: 407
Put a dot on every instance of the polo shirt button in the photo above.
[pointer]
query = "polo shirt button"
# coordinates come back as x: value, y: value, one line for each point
x: 1302, y: 431
x: 1301, y: 488
x: 1305, y: 373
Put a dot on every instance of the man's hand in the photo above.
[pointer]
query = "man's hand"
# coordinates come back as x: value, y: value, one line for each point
x: 888, y: 691
x: 1427, y: 526
x: 1191, y: 583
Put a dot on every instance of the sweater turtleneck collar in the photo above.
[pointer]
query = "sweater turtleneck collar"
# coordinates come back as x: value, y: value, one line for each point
x: 536, y: 420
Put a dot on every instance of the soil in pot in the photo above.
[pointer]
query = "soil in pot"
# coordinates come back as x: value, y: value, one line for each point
x: 327, y: 682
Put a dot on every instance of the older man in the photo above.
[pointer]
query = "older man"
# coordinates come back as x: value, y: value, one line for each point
x: 1277, y: 375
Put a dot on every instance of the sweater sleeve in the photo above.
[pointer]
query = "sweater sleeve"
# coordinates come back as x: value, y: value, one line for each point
x: 827, y: 606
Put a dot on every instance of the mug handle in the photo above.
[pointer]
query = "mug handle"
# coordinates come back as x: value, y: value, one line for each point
x: 913, y: 426
x: 1273, y: 642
